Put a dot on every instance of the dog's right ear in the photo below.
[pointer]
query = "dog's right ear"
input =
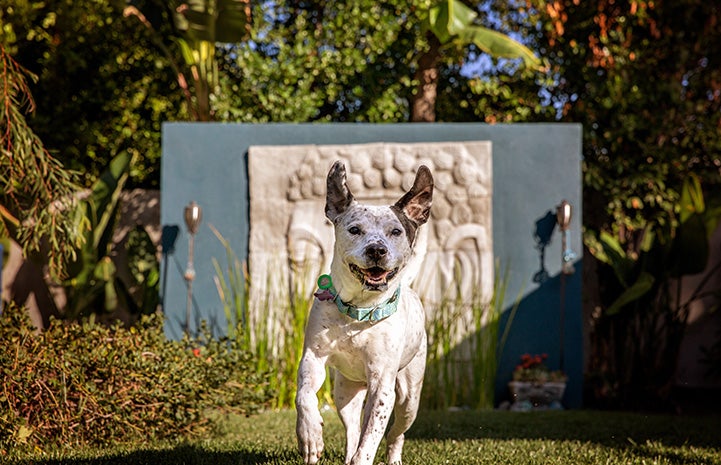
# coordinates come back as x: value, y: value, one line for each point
x: 338, y: 196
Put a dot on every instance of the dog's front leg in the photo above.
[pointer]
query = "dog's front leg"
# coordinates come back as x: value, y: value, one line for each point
x: 309, y: 423
x: 377, y: 412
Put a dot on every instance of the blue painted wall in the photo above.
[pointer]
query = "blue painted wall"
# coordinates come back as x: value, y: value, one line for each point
x: 535, y: 166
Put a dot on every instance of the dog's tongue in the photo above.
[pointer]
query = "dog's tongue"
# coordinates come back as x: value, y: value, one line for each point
x: 376, y: 274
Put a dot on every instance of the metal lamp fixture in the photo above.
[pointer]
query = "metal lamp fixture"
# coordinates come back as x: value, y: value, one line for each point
x: 564, y: 212
x: 193, y: 215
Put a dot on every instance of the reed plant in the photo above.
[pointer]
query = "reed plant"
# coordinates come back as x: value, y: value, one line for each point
x: 271, y: 326
x: 292, y: 328
x: 232, y: 284
x: 465, y: 343
x: 441, y: 388
x: 489, y: 339
x: 252, y: 333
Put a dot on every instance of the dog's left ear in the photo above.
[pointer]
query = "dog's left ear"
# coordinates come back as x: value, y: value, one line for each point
x: 338, y: 196
x: 416, y: 203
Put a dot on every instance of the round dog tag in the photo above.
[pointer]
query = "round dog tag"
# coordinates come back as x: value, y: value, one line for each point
x: 324, y: 282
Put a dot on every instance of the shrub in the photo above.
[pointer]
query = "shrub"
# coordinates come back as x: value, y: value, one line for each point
x: 86, y: 383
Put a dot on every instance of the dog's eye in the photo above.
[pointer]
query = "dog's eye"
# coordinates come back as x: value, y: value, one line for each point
x: 354, y: 230
x: 396, y: 232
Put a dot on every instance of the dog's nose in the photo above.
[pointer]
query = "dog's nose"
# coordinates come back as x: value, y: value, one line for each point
x: 376, y: 251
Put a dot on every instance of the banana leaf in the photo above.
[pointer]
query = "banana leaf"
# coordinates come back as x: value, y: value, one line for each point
x: 452, y: 20
x: 643, y: 284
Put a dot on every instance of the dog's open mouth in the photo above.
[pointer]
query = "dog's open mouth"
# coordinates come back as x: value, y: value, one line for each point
x: 375, y: 278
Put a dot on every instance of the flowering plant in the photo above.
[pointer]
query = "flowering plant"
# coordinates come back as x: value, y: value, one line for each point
x: 533, y: 369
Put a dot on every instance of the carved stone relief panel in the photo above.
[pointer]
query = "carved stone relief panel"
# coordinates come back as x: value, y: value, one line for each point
x: 291, y: 240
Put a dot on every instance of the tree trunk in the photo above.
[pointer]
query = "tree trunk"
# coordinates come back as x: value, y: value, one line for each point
x: 423, y: 102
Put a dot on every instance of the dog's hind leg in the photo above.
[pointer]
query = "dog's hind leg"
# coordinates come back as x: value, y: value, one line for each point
x: 408, y: 396
x: 349, y: 396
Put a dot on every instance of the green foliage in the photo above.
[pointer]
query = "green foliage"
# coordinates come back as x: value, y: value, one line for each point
x: 37, y: 195
x: 321, y: 61
x: 116, y: 70
x: 355, y: 61
x: 643, y: 79
x: 451, y: 20
x: 212, y: 21
x: 144, y: 271
x: 77, y: 384
x: 232, y: 284
x: 102, y: 87
x: 450, y: 28
x: 203, y: 24
x: 665, y: 252
x: 93, y: 284
x: 652, y: 317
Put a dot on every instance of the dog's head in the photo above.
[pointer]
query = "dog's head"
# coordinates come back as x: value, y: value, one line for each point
x: 375, y: 242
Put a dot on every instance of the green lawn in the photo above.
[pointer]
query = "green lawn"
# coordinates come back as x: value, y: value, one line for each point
x: 492, y: 437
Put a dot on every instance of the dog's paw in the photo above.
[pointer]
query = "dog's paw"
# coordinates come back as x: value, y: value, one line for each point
x: 310, y: 439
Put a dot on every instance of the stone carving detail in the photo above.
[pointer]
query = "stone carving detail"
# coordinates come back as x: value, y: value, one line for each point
x: 291, y: 240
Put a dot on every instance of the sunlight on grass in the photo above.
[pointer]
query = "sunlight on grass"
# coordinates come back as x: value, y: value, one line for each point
x: 488, y: 437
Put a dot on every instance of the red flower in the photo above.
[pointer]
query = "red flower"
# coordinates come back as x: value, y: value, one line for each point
x: 529, y: 361
x: 196, y: 352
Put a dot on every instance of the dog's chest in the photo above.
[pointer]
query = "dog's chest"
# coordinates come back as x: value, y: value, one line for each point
x: 352, y: 346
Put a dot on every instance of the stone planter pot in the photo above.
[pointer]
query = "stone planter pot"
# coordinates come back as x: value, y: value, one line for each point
x: 527, y: 395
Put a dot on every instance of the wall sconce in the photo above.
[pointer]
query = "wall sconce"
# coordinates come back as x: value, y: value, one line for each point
x: 193, y: 215
x: 564, y: 212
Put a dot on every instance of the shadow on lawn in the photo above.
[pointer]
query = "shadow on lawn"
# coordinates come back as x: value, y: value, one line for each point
x: 181, y: 455
x: 612, y: 429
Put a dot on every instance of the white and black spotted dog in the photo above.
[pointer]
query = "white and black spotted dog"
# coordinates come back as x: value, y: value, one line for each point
x: 367, y: 324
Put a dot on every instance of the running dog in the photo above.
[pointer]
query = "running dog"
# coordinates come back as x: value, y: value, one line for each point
x: 367, y: 324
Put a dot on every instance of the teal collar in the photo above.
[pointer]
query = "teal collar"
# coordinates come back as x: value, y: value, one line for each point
x: 373, y: 314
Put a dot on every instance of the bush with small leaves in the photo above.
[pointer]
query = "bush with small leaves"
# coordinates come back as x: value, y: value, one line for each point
x: 76, y: 384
